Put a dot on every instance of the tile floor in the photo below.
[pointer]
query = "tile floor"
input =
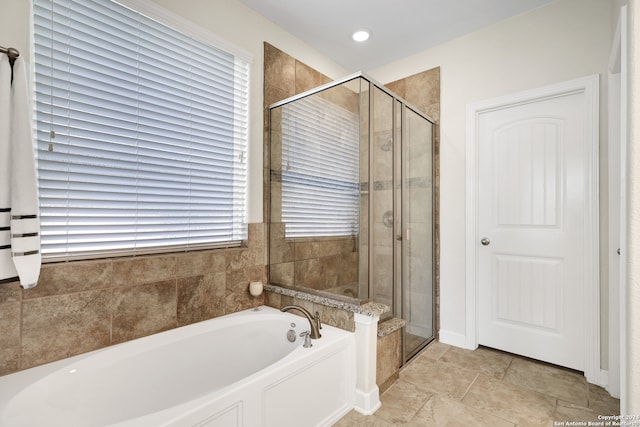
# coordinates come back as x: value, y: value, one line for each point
x: 449, y: 386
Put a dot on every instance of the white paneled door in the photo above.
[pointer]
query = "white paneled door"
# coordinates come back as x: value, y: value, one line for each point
x: 531, y: 221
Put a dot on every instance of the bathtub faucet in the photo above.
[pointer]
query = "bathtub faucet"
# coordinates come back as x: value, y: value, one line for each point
x: 314, y: 321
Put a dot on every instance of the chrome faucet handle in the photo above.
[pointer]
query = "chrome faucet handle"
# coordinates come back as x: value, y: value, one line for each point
x: 307, y: 339
x: 317, y: 319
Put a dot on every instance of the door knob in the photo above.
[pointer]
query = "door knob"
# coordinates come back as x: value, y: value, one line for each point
x: 485, y: 241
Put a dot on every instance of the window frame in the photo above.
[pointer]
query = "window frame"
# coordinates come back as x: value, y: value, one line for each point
x: 190, y: 30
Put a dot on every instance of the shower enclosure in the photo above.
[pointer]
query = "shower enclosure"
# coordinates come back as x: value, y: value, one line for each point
x: 351, y: 200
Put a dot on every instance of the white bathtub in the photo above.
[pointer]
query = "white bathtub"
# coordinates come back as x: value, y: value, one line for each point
x: 236, y: 370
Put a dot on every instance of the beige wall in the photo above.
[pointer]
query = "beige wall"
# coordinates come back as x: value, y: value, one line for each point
x: 562, y: 41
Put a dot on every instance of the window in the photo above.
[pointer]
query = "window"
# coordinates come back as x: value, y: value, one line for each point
x: 142, y: 134
x: 320, y: 173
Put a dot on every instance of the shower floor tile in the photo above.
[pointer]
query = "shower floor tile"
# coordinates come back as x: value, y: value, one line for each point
x: 449, y: 386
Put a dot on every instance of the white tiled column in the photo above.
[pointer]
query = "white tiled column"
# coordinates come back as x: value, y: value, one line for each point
x: 367, y: 399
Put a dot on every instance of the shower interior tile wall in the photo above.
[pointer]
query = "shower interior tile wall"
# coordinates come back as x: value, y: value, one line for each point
x: 320, y: 264
x: 323, y: 264
x: 86, y: 305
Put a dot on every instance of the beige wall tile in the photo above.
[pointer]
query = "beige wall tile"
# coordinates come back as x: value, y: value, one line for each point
x: 281, y: 250
x: 421, y: 90
x: 271, y: 299
x: 307, y: 305
x: 237, y: 296
x: 274, y: 94
x: 200, y: 298
x: 286, y: 300
x: 200, y: 263
x: 316, y: 273
x: 307, y: 78
x: 399, y: 87
x: 64, y: 325
x: 335, y: 317
x: 281, y: 274
x: 148, y: 269
x: 64, y: 278
x: 9, y: 337
x: 144, y: 310
x: 279, y: 73
x: 388, y: 357
x: 257, y: 239
x: 324, y: 247
x: 240, y: 258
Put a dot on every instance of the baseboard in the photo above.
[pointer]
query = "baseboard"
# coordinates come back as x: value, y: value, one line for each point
x: 367, y: 403
x: 453, y: 338
x: 604, y: 378
x: 614, y: 390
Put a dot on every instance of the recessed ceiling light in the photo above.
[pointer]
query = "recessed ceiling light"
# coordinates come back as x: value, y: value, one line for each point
x: 360, y: 36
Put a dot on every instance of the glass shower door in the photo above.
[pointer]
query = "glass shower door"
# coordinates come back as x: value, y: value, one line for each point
x: 417, y: 291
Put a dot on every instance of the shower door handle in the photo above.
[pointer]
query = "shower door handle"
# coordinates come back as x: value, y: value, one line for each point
x: 407, y: 236
x: 485, y: 241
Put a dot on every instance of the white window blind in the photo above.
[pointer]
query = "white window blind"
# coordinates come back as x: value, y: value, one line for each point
x: 320, y: 173
x: 142, y: 134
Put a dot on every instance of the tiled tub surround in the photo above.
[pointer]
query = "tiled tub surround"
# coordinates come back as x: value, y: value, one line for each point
x: 183, y: 378
x: 325, y: 264
x: 86, y: 305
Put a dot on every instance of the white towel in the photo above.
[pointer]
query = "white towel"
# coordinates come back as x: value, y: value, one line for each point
x: 23, y: 184
x: 7, y: 269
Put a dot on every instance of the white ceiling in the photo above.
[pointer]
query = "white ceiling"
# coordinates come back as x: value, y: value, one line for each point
x: 398, y: 28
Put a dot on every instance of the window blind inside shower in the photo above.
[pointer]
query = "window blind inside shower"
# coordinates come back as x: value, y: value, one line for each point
x: 320, y: 173
x: 142, y: 134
